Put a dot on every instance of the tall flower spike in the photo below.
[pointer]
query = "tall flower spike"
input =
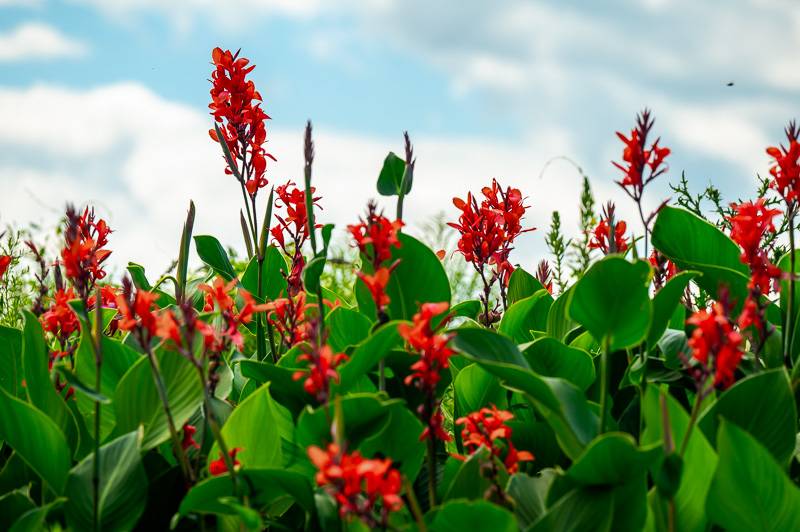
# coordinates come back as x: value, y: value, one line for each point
x: 641, y: 164
x: 785, y: 170
x: 488, y: 428
x: 235, y: 105
x: 84, y: 250
x: 715, y: 344
x: 749, y: 223
x: 609, y: 235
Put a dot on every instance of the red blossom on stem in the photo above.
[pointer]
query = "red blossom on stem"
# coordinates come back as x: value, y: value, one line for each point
x: 5, y: 262
x: 434, y: 356
x: 188, y: 437
x: 368, y: 489
x: 294, y: 225
x: 139, y: 312
x: 786, y: 168
x: 288, y: 315
x: 218, y: 296
x: 219, y: 467
x: 488, y: 428
x: 609, y: 235
x: 84, y: 250
x: 62, y: 322
x: 715, y: 344
x: 321, y: 371
x: 749, y: 223
x: 641, y: 164
x: 235, y: 105
x: 664, y: 268
x: 545, y: 276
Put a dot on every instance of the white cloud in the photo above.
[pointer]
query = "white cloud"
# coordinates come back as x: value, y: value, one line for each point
x: 140, y: 158
x: 33, y: 40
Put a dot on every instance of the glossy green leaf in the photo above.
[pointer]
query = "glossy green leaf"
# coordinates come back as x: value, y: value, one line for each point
x: 11, y: 371
x: 273, y: 269
x: 122, y: 489
x: 137, y: 401
x: 399, y: 438
x: 390, y: 180
x: 763, y: 405
x: 529, y: 495
x: 41, y: 391
x: 367, y: 355
x: 259, y: 448
x: 36, y: 439
x: 476, y: 388
x: 460, y: 515
x: 550, y: 358
x: 285, y: 389
x: 750, y: 491
x: 214, y: 256
x: 311, y: 274
x: 559, y: 322
x: 13, y: 505
x: 612, y: 459
x: 612, y: 302
x: 561, y: 403
x: 140, y: 281
x: 34, y: 520
x: 579, y: 510
x: 694, y: 244
x: 526, y: 315
x: 665, y: 302
x: 521, y: 284
x: 346, y: 328
x: 469, y: 482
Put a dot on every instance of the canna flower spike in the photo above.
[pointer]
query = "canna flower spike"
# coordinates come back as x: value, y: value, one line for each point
x: 786, y: 168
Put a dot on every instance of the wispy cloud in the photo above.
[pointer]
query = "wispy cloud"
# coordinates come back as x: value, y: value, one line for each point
x: 34, y: 40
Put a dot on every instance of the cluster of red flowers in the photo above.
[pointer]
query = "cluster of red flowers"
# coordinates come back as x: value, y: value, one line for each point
x: 786, y: 170
x: 188, y: 441
x: 60, y: 321
x: 375, y: 238
x: 488, y: 230
x: 434, y: 358
x: 288, y: 316
x: 665, y: 269
x: 368, y: 489
x: 294, y: 225
x: 488, y: 428
x: 235, y: 104
x: 322, y: 363
x: 218, y: 295
x: 5, y: 262
x: 749, y: 223
x: 219, y: 467
x: 83, y: 253
x: 715, y: 344
x: 638, y: 157
x: 138, y: 312
x: 609, y: 235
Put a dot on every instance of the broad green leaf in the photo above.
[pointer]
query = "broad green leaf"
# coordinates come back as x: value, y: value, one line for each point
x: 612, y: 459
x: 140, y: 281
x: 550, y: 358
x: 476, y: 388
x: 259, y: 448
x: 36, y: 439
x: 122, y: 489
x: 521, y: 284
x: 750, y: 491
x: 529, y: 495
x: 418, y: 278
x: 273, y: 269
x: 363, y: 415
x: 526, y: 315
x: 264, y: 486
x: 469, y: 481
x: 41, y: 390
x: 763, y: 405
x: 466, y: 309
x: 460, y: 515
x: 665, y: 302
x: 346, y: 328
x: 311, y: 274
x: 562, y: 404
x: 390, y: 180
x: 559, y: 322
x: 612, y: 302
x: 11, y: 371
x: 367, y: 355
x: 287, y: 390
x: 398, y: 439
x: 694, y: 244
x: 785, y: 265
x: 577, y: 511
x: 699, y: 459
x: 34, y: 520
x: 137, y: 401
x: 214, y: 256
x: 13, y: 505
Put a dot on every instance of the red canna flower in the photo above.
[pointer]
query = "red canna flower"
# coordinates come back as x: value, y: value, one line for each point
x: 138, y: 313
x: 749, y: 223
x: 376, y: 284
x: 322, y: 363
x: 368, y: 489
x: 235, y: 105
x: 188, y: 437
x: 434, y: 358
x: 288, y: 316
x: 488, y: 428
x: 664, y: 268
x: 376, y: 236
x: 293, y: 224
x: 715, y: 343
x: 168, y: 328
x: 609, y: 235
x: 5, y: 262
x: 218, y: 296
x: 83, y: 253
x: 786, y: 169
x: 638, y: 159
x: 62, y: 322
x: 219, y: 467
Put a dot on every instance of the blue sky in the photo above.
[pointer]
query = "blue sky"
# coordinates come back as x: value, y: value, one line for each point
x: 104, y: 101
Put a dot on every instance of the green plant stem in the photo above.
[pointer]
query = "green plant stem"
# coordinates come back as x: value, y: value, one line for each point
x: 431, y: 470
x: 788, y: 329
x: 413, y: 505
x: 162, y: 395
x: 698, y: 400
x: 603, y: 384
x: 98, y: 364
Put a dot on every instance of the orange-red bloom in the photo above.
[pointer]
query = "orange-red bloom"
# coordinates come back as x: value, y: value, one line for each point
x: 715, y: 343
x: 219, y: 467
x: 638, y: 158
x: 368, y: 489
x: 749, y: 223
x: 235, y: 104
x: 488, y: 428
x: 84, y: 250
x: 5, y: 262
x: 376, y: 284
x: 188, y: 437
x: 288, y: 316
x: 603, y: 240
x: 139, y: 313
x: 376, y: 236
x: 322, y: 363
x: 786, y: 168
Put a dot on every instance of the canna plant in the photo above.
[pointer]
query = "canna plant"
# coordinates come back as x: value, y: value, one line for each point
x: 656, y: 394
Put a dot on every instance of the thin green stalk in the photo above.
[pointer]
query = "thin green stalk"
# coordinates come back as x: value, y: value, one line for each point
x: 431, y: 471
x: 261, y: 345
x: 788, y: 329
x: 162, y: 395
x: 217, y: 432
x: 698, y: 401
x: 98, y: 363
x: 603, y: 384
